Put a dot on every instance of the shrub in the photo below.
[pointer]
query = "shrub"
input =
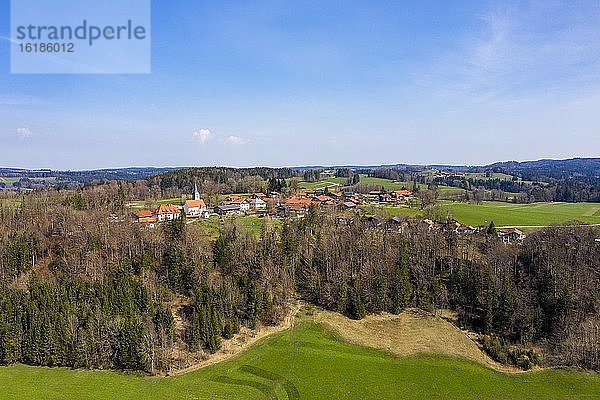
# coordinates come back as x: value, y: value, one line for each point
x: 500, y: 351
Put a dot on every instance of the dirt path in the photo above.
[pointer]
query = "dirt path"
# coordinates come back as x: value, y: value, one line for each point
x: 240, y: 341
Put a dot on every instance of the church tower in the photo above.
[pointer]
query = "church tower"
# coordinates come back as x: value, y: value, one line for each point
x: 196, y: 194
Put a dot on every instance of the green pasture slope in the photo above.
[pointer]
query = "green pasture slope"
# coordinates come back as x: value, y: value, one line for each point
x: 507, y: 214
x: 387, y: 184
x: 8, y: 181
x: 534, y: 214
x: 306, y: 362
x: 252, y: 224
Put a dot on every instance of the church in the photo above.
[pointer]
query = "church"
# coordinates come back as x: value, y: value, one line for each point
x: 195, y: 208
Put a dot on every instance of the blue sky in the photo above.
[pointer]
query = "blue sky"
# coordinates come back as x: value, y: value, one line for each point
x: 245, y: 83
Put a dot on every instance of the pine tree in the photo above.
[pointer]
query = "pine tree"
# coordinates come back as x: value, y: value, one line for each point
x: 491, y: 229
x: 401, y: 288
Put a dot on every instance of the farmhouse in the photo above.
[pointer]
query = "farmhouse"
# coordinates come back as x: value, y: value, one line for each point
x: 395, y: 224
x: 228, y: 209
x: 430, y: 224
x: 402, y: 194
x: 324, y: 200
x: 348, y: 205
x: 342, y: 219
x: 166, y: 212
x: 295, y: 206
x: 375, y: 196
x: 238, y: 201
x: 257, y: 204
x: 145, y: 216
x: 512, y: 235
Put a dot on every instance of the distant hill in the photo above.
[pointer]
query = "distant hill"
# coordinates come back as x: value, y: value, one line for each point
x: 44, y: 178
x: 556, y: 169
x: 578, y: 169
x: 392, y: 166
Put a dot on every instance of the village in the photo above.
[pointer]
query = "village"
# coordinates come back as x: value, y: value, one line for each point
x: 275, y: 205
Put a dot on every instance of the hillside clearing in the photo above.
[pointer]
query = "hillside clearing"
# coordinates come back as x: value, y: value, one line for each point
x: 410, y: 333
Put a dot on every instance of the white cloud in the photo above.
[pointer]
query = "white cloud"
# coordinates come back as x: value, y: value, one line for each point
x: 235, y: 140
x: 24, y: 132
x: 202, y: 136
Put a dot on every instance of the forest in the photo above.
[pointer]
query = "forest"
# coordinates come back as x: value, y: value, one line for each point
x: 82, y: 285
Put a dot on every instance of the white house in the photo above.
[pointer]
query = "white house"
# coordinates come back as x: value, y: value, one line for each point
x: 257, y: 204
x: 237, y: 201
x: 244, y: 206
x: 166, y: 212
x: 228, y: 209
x: 512, y: 235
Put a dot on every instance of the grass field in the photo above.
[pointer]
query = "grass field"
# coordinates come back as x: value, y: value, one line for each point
x: 387, y: 184
x: 144, y: 204
x: 494, y: 175
x: 330, y: 183
x: 8, y: 181
x: 306, y: 362
x: 535, y: 214
x: 508, y: 214
x: 253, y: 224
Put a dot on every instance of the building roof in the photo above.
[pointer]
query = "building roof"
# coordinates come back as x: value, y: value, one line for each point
x: 229, y: 207
x: 143, y: 213
x: 167, y: 209
x: 233, y: 199
x: 195, y: 203
x: 512, y: 231
x: 298, y: 201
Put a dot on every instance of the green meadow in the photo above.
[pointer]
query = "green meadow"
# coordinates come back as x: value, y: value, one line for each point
x: 252, y: 224
x: 494, y: 175
x: 8, y: 181
x: 387, y: 184
x: 330, y: 183
x: 506, y: 214
x: 534, y: 214
x: 306, y: 362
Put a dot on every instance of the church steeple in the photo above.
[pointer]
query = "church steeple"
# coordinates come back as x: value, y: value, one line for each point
x: 196, y: 193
